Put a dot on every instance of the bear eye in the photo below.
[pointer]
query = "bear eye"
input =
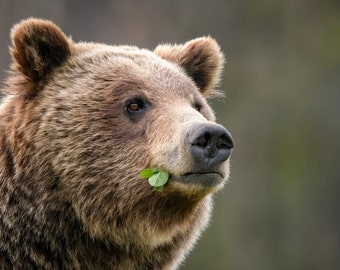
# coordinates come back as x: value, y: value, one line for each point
x: 135, y: 108
x: 135, y: 105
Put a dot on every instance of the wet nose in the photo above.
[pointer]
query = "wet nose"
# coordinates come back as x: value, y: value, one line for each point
x: 210, y: 144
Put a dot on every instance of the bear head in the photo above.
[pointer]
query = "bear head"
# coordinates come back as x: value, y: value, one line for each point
x: 89, y: 117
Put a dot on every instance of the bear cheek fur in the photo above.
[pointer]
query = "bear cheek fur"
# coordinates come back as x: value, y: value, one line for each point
x: 168, y: 147
x: 93, y: 158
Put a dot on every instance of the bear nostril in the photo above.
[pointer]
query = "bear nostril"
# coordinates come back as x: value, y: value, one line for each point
x: 225, y: 141
x: 202, y: 140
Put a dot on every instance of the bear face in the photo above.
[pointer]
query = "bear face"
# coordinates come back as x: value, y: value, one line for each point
x: 81, y: 120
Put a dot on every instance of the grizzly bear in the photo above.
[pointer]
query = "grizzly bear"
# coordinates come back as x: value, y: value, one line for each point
x: 78, y: 123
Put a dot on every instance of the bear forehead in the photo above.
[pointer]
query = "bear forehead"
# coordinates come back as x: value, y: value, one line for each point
x: 129, y: 65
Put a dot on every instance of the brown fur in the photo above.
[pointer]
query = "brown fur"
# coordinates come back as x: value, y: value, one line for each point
x: 70, y: 192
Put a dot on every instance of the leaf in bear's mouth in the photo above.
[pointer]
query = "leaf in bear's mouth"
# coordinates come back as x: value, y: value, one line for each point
x: 157, y: 177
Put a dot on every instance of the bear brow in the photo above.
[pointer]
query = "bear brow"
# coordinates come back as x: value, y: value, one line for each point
x: 129, y: 86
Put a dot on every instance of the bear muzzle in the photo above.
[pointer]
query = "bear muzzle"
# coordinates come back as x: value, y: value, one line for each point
x: 210, y: 145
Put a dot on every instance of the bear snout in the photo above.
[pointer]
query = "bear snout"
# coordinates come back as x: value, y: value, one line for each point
x: 209, y: 145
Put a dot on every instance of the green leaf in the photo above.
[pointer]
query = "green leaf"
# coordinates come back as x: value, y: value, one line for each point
x: 159, y: 179
x: 147, y: 173
x: 156, y: 176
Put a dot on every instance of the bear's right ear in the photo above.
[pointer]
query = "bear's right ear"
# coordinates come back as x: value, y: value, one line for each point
x: 39, y: 46
x: 201, y: 59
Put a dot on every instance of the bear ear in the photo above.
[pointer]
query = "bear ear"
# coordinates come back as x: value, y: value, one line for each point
x: 201, y: 59
x: 39, y: 46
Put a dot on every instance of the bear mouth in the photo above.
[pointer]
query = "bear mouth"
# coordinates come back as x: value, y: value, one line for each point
x: 204, y: 179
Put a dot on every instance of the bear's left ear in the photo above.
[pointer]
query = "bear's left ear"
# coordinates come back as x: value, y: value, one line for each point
x: 39, y: 46
x: 201, y: 59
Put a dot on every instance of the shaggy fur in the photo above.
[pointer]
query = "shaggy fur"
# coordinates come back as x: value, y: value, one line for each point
x: 71, y: 152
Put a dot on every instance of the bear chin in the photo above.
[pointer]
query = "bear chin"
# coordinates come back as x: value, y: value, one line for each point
x: 204, y: 180
x: 198, y: 184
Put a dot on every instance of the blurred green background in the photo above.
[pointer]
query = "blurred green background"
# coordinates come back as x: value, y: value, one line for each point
x: 282, y: 84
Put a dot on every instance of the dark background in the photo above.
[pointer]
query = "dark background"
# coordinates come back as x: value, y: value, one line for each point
x: 282, y: 105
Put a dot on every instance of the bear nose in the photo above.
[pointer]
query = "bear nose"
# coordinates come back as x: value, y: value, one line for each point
x: 210, y: 144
